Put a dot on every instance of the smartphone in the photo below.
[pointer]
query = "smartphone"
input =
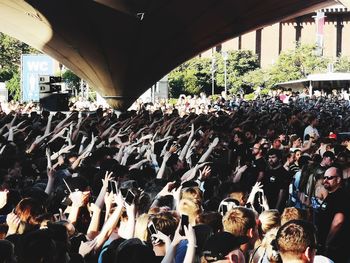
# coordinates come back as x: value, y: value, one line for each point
x: 112, y: 186
x: 129, y: 198
x: 152, y: 230
x: 124, y: 191
x: 260, y: 197
x: 184, y: 222
x: 223, y: 209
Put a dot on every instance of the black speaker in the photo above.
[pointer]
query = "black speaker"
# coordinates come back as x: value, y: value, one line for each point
x: 54, y: 101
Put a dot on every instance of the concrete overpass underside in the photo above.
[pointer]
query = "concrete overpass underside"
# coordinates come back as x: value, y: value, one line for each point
x: 122, y: 47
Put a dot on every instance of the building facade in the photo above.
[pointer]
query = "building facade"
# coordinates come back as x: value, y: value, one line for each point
x: 331, y: 30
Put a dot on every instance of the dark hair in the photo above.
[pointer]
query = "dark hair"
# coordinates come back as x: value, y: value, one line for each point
x: 276, y: 152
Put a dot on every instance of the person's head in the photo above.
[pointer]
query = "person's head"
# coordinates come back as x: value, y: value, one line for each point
x: 313, y: 121
x: 239, y: 195
x: 296, y: 241
x: 274, y: 157
x: 29, y: 211
x: 223, y: 247
x: 241, y: 221
x: 212, y: 219
x: 257, y: 150
x: 37, y: 247
x: 165, y: 222
x: 190, y: 208
x: 276, y: 144
x: 134, y: 250
x: 297, y: 155
x: 343, y: 161
x: 332, y: 179
x: 6, y: 251
x: 250, y: 135
x: 328, y: 158
x: 345, y: 141
x: 141, y: 231
x: 268, y: 243
x: 227, y: 205
x: 291, y: 213
x: 269, y: 219
x: 192, y: 193
x: 238, y: 137
x: 295, y: 141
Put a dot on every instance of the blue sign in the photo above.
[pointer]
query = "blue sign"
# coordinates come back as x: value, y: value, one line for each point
x: 32, y: 67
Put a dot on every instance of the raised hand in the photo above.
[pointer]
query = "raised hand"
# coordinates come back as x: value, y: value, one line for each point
x: 109, y: 200
x: 163, y: 237
x: 108, y: 177
x: 256, y: 188
x: 66, y: 149
x: 48, y: 157
x: 3, y: 198
x: 215, y: 142
x: 51, y: 174
x: 205, y: 173
x: 79, y: 198
x: 86, y: 247
x: 13, y: 221
x: 165, y: 191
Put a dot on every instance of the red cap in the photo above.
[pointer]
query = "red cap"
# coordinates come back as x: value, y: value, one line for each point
x: 332, y: 135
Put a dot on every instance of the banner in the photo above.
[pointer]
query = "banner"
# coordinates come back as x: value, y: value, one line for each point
x: 3, y: 92
x: 320, y: 22
x: 32, y: 67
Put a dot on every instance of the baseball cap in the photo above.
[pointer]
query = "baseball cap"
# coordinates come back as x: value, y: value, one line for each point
x: 332, y: 135
x: 219, y: 245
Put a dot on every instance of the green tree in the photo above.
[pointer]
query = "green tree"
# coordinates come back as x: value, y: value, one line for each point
x: 72, y: 80
x: 194, y: 76
x: 296, y: 64
x: 11, y: 50
x: 342, y: 64
x: 14, y: 86
x: 256, y: 78
x: 191, y: 77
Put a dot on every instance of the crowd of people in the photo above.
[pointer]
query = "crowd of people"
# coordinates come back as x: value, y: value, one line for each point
x: 224, y: 180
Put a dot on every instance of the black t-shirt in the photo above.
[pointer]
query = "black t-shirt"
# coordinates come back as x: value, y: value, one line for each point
x: 239, y: 153
x: 334, y: 203
x: 260, y: 165
x: 250, y: 176
x: 275, y: 180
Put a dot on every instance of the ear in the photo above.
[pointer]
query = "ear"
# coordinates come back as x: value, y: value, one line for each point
x: 233, y: 258
x: 309, y: 254
x: 250, y: 232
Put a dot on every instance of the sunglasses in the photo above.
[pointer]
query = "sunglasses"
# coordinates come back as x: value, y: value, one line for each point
x: 329, y: 178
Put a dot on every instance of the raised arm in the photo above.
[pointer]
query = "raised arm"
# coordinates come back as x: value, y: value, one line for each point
x: 208, y: 152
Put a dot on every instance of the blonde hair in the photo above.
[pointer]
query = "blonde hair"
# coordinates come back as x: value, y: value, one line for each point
x: 269, y: 219
x: 291, y: 213
x: 239, y: 196
x: 271, y: 253
x: 239, y: 220
x: 192, y: 193
x: 190, y: 208
x: 141, y: 230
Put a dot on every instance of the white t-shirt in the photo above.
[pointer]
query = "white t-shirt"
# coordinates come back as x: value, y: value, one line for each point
x: 322, y: 259
x: 310, y: 130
